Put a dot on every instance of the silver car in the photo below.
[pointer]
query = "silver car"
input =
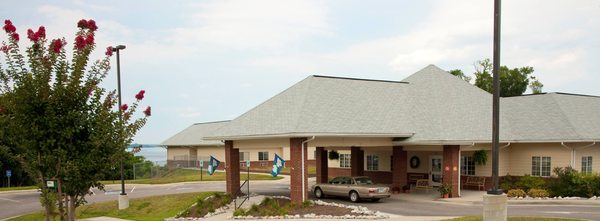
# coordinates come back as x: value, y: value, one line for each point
x: 356, y: 188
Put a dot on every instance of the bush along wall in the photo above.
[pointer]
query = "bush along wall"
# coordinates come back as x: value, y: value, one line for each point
x: 570, y: 182
x: 567, y: 182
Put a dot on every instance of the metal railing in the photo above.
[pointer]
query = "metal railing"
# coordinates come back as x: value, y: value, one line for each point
x: 239, y: 192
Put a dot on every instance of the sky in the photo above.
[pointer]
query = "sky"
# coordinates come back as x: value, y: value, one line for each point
x: 205, y: 61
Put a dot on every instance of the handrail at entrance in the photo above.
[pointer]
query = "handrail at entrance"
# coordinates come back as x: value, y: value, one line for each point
x: 239, y: 192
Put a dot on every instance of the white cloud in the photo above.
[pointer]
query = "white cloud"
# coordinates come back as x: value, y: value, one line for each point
x: 550, y: 36
x: 241, y: 24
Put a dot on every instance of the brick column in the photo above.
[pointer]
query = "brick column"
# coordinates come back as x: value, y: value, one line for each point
x: 321, y: 163
x: 357, y: 161
x: 399, y: 177
x: 296, y: 170
x: 232, y: 172
x: 450, y: 167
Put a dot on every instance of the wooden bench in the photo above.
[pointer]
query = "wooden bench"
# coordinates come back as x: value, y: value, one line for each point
x: 477, y: 181
x: 412, y: 178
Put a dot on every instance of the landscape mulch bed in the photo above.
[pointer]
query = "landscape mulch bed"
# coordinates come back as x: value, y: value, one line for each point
x: 312, y: 209
x: 216, y: 202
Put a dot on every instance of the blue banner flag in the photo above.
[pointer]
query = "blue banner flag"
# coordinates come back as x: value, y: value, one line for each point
x: 213, y: 164
x: 278, y: 163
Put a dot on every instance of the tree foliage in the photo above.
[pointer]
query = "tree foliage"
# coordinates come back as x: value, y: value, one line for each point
x: 513, y: 82
x: 56, y: 120
x: 459, y: 73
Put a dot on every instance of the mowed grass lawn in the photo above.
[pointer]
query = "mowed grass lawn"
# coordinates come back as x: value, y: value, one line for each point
x: 188, y: 175
x: 143, y: 209
x: 478, y: 218
x: 286, y: 170
x: 18, y: 188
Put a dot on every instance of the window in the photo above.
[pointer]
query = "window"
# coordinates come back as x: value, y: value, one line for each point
x: 372, y: 162
x: 541, y: 166
x: 345, y: 160
x: 244, y: 156
x: 263, y: 155
x: 467, y: 165
x: 586, y: 164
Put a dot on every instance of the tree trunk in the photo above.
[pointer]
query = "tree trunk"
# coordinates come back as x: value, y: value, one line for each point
x: 72, y: 203
x: 61, y: 208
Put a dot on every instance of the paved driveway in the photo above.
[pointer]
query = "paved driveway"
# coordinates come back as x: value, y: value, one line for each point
x: 17, y: 203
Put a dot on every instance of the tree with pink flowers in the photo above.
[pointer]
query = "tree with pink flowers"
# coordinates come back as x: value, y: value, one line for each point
x: 56, y: 119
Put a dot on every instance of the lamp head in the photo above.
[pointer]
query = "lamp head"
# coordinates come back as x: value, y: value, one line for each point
x: 118, y: 47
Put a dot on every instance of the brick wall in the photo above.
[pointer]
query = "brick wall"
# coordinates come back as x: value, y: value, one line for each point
x: 295, y: 162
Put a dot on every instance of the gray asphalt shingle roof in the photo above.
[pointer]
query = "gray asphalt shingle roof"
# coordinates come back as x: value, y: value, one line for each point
x: 194, y: 134
x: 553, y: 116
x: 428, y: 106
x: 326, y: 106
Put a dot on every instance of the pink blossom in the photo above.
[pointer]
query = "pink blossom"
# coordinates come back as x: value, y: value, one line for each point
x: 4, y: 48
x: 109, y: 51
x: 15, y: 36
x: 32, y: 35
x: 148, y: 111
x: 91, y: 24
x: 82, y: 24
x: 56, y: 45
x: 80, y: 42
x: 140, y: 95
x: 89, y: 39
x: 124, y: 107
x: 9, y: 27
x: 41, y: 32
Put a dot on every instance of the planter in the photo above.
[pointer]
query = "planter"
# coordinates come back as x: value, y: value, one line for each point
x: 446, y: 195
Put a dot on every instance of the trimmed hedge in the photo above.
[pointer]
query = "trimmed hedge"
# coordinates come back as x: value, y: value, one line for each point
x: 516, y: 193
x: 538, y: 193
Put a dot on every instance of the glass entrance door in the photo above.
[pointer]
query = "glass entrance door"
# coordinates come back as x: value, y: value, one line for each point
x: 435, y: 170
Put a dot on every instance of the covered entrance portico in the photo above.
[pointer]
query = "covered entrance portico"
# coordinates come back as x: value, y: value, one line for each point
x: 375, y: 157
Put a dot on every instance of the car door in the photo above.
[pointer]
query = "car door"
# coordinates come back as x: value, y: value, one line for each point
x: 332, y: 187
x: 344, y: 187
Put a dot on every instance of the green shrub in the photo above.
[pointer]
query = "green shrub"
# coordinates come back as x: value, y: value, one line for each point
x: 239, y: 212
x: 307, y: 203
x: 211, y: 208
x: 538, y: 193
x: 267, y: 201
x: 508, y: 183
x: 253, y: 208
x: 516, y: 193
x: 570, y: 182
x: 530, y: 182
x: 218, y: 195
x: 226, y: 200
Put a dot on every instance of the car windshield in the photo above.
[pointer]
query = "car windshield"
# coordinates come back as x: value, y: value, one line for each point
x: 363, y: 180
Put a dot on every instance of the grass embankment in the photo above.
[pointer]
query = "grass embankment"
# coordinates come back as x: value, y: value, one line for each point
x: 143, y: 209
x: 285, y: 170
x: 18, y: 188
x: 478, y: 218
x: 188, y: 175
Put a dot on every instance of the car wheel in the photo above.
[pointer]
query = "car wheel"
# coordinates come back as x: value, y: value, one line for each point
x: 354, y: 196
x: 319, y: 193
x: 375, y: 200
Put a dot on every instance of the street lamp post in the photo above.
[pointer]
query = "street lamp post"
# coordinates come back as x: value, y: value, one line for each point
x: 495, y: 202
x: 123, y: 201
